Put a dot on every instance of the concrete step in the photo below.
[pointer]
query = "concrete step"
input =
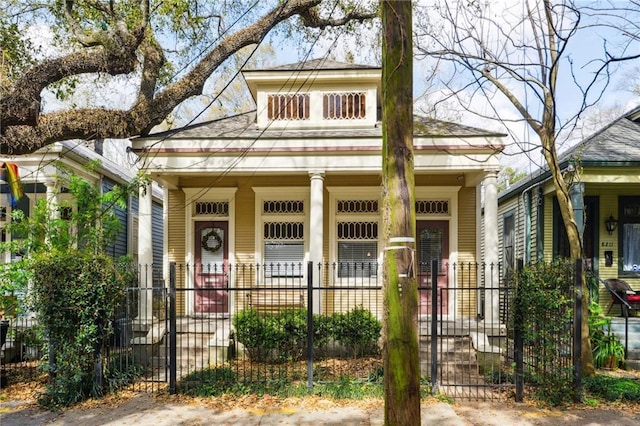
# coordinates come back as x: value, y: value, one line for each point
x: 618, y: 324
x: 633, y: 336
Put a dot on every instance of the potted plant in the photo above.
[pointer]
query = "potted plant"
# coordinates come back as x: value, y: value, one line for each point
x: 608, y: 352
x: 606, y: 348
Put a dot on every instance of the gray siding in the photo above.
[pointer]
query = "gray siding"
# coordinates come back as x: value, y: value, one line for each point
x: 158, y: 235
x: 120, y: 243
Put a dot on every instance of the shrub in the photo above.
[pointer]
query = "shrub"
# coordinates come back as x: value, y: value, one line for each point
x: 293, y: 323
x: 546, y: 298
x: 75, y: 295
x: 283, y: 336
x: 358, y: 330
x: 258, y: 332
x: 323, y: 332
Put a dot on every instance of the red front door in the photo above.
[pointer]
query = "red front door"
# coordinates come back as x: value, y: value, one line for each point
x: 211, y: 268
x: 433, y: 244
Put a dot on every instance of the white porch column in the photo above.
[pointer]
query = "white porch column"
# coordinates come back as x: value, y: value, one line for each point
x: 52, y: 198
x: 491, y: 259
x: 145, y: 259
x: 52, y: 201
x: 316, y: 238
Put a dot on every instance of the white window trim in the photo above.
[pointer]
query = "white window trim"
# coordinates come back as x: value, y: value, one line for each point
x: 274, y: 194
x: 353, y: 193
x: 449, y: 193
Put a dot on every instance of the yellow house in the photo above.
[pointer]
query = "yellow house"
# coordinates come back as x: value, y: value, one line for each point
x: 251, y: 198
x: 604, y: 174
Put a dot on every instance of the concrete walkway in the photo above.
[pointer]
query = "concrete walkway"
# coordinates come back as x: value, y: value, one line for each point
x: 147, y: 410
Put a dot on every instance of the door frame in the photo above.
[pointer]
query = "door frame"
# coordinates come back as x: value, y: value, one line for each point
x: 450, y: 295
x: 193, y: 195
x: 449, y: 193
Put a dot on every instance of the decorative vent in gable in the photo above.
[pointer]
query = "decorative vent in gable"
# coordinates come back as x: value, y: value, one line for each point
x: 288, y: 106
x: 344, y: 106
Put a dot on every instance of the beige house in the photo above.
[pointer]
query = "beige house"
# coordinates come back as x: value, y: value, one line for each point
x: 251, y: 198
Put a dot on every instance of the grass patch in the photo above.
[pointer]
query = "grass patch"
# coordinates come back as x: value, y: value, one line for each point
x: 220, y: 381
x: 612, y: 388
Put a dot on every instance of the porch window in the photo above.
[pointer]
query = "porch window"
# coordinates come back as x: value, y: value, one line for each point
x: 288, y: 106
x: 630, y: 235
x: 344, y: 106
x: 357, y: 251
x: 66, y: 212
x: 283, y: 249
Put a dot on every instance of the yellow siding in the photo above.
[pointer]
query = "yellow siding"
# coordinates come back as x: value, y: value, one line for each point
x: 176, y: 239
x: 467, y: 225
x: 609, y: 206
x: 334, y: 300
x: 467, y: 248
x: 245, y: 225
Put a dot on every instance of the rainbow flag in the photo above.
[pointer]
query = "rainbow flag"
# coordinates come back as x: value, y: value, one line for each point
x: 13, y: 179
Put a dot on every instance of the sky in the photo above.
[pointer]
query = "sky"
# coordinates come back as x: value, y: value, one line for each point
x: 343, y: 47
x: 617, y: 98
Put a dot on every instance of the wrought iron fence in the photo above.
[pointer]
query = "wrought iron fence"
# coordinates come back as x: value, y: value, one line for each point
x: 321, y: 323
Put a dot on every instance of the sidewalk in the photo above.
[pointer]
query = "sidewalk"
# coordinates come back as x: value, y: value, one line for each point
x: 147, y: 410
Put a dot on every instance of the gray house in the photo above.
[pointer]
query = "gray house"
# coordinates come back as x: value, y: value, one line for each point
x: 38, y: 173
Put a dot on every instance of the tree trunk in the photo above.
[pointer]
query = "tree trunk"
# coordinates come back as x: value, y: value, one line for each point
x: 401, y: 362
x: 575, y: 246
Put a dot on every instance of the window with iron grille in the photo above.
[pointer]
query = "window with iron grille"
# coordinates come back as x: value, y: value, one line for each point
x: 344, y: 106
x: 212, y: 208
x: 66, y: 212
x: 283, y: 237
x: 357, y: 206
x: 288, y: 106
x: 432, y: 207
x: 283, y: 207
x: 283, y: 249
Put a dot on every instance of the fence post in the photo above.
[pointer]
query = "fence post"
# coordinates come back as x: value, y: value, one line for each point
x: 310, y: 325
x: 518, y: 341
x: 172, y: 329
x: 434, y: 326
x: 577, y: 334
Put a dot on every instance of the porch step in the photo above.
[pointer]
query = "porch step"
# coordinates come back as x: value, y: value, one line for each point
x: 460, y: 327
x: 633, y: 342
x: 456, y: 359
